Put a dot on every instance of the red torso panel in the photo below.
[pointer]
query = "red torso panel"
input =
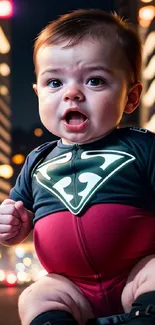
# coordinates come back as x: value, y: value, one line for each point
x: 96, y: 251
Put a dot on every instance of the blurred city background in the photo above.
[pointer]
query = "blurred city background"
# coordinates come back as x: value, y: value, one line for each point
x: 20, y: 127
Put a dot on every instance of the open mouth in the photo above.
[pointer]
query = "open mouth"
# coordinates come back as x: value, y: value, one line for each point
x: 75, y: 118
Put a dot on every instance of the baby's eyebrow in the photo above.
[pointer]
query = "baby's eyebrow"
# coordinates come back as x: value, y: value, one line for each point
x: 98, y: 68
x: 84, y: 69
x: 52, y: 71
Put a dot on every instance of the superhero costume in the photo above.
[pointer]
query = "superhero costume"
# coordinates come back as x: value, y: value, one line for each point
x: 94, y: 210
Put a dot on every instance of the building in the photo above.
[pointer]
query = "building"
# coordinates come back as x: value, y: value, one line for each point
x: 148, y: 75
x: 128, y: 10
x: 142, y: 14
x: 5, y: 110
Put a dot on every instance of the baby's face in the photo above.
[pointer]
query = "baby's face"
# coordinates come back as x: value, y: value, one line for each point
x: 82, y: 90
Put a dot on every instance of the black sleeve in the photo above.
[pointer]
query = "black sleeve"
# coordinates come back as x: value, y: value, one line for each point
x: 151, y: 166
x: 22, y: 189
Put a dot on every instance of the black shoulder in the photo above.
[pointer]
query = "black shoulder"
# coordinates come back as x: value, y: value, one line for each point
x: 45, y: 146
x: 137, y: 133
x: 39, y: 153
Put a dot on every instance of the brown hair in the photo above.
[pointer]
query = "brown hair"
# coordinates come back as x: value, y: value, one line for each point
x: 93, y: 23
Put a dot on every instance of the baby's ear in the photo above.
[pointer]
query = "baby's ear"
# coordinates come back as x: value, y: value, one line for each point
x: 133, y: 98
x: 35, y: 89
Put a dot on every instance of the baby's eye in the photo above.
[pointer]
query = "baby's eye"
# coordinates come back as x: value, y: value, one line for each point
x: 95, y: 82
x: 54, y: 83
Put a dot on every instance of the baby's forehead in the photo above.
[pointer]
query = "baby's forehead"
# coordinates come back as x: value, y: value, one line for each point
x: 86, y: 50
x: 66, y: 57
x: 95, y: 44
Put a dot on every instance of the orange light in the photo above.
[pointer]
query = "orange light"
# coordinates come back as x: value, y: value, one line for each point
x: 4, y: 69
x: 6, y: 9
x: 38, y: 132
x: 146, y: 1
x: 146, y: 13
x: 18, y: 159
x: 144, y: 23
x: 4, y: 90
x: 4, y: 43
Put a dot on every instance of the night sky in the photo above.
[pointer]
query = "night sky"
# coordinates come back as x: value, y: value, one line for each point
x: 30, y: 16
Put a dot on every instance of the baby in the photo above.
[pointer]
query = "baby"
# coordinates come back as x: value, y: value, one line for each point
x: 89, y: 196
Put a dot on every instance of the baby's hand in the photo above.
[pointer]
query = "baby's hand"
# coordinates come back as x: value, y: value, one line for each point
x: 15, y: 222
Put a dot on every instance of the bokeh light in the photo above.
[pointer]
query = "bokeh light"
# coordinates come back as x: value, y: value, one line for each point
x: 6, y: 9
x: 38, y: 132
x: 4, y: 90
x: 145, y: 15
x: 18, y: 159
x: 6, y: 171
x: 4, y: 69
x: 146, y: 1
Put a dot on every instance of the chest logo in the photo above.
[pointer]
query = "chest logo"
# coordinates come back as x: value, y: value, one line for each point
x: 75, y: 180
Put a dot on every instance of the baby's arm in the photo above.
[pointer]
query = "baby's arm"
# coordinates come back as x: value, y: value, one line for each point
x: 15, y: 222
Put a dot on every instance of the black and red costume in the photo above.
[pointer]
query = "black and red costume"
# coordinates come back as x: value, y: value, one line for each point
x: 94, y: 210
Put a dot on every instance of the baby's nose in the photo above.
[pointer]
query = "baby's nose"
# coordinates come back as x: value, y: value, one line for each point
x: 73, y: 93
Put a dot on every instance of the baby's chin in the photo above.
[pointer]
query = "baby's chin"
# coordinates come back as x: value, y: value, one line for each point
x: 80, y: 140
x: 75, y: 139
